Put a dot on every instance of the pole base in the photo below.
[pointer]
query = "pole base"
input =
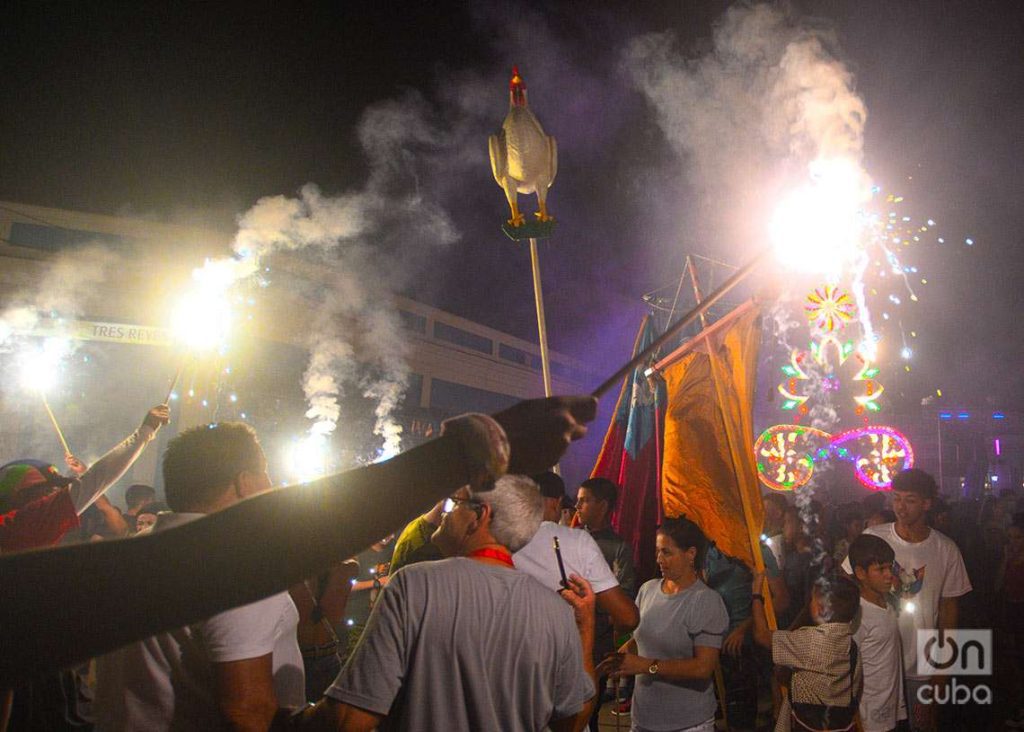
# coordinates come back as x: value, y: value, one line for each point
x: 529, y: 230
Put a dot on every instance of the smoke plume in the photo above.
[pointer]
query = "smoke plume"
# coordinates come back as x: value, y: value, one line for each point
x: 751, y: 115
x: 750, y: 119
x: 370, y: 241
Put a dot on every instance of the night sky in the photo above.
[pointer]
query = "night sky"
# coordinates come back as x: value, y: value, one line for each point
x: 195, y: 111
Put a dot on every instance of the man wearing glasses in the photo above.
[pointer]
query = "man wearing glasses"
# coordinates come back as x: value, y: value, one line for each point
x: 469, y: 642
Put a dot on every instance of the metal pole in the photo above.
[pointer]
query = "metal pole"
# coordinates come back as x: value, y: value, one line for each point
x: 60, y: 435
x: 718, y: 326
x: 542, y: 327
x: 938, y: 422
x: 727, y: 286
x: 697, y: 294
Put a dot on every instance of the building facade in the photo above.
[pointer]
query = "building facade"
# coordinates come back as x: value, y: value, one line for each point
x: 110, y: 280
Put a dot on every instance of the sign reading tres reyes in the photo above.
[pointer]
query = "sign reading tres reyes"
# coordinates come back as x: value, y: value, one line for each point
x: 88, y: 330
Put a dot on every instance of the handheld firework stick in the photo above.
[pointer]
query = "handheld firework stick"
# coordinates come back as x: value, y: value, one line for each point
x: 730, y: 284
x: 39, y: 368
x: 561, y: 565
x: 53, y: 420
x: 174, y: 381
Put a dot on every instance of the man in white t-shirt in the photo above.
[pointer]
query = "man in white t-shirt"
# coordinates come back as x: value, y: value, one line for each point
x: 877, y: 634
x: 234, y: 670
x: 580, y: 555
x: 928, y: 578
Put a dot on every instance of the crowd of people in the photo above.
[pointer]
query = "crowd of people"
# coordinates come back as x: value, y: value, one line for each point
x: 507, y: 600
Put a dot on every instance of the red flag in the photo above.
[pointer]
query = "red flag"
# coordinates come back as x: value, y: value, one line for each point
x: 631, y: 457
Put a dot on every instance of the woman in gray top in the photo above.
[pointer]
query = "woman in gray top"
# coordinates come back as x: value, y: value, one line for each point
x: 674, y: 650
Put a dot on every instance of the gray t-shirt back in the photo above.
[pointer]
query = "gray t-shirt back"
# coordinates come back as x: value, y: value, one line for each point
x: 461, y: 645
x: 670, y: 627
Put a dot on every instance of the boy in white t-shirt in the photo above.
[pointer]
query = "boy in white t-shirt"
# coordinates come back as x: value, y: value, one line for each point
x: 877, y: 634
x: 928, y: 578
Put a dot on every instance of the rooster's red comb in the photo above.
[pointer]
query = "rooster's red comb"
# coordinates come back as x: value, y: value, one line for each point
x: 517, y: 80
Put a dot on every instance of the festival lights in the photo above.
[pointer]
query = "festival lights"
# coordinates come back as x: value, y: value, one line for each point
x: 829, y: 308
x: 786, y: 454
x: 783, y: 454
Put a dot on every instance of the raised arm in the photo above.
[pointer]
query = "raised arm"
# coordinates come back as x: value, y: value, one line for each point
x: 213, y: 564
x: 108, y: 469
x: 112, y: 517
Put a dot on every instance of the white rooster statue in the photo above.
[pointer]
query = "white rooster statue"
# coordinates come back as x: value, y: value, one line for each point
x: 523, y: 158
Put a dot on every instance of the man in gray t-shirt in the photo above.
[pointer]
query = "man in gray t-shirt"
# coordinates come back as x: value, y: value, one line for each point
x: 468, y: 643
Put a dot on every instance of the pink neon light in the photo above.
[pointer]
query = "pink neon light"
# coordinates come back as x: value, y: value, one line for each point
x: 787, y: 454
x: 856, y: 434
x: 999, y: 450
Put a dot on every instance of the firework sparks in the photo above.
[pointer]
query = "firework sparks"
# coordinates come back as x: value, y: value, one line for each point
x: 306, y: 458
x: 203, y: 316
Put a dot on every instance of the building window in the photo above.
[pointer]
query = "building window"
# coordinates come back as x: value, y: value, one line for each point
x: 515, y: 355
x: 460, y: 337
x: 413, y: 392
x: 413, y: 322
x: 54, y: 239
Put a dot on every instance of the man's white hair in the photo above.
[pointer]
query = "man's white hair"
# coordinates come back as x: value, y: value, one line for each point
x: 516, y: 510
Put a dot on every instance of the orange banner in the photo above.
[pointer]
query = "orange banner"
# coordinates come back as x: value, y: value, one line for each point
x: 709, y: 472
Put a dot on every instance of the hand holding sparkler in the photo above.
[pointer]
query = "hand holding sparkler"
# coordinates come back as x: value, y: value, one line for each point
x: 157, y: 417
x: 77, y: 466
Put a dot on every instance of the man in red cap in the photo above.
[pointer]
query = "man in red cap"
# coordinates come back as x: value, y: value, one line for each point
x: 38, y: 505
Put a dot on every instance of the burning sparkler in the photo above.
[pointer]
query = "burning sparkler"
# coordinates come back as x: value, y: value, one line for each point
x: 39, y: 368
x: 306, y: 459
x: 825, y: 227
x: 202, y: 318
x: 819, y: 227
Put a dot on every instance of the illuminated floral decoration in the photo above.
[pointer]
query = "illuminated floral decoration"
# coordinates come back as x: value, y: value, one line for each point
x: 787, y: 453
x: 829, y: 308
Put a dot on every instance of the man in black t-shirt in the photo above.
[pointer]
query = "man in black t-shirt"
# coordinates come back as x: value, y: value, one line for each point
x: 596, y: 500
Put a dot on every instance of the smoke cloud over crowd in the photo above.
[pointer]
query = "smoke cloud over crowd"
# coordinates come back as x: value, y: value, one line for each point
x: 749, y: 116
